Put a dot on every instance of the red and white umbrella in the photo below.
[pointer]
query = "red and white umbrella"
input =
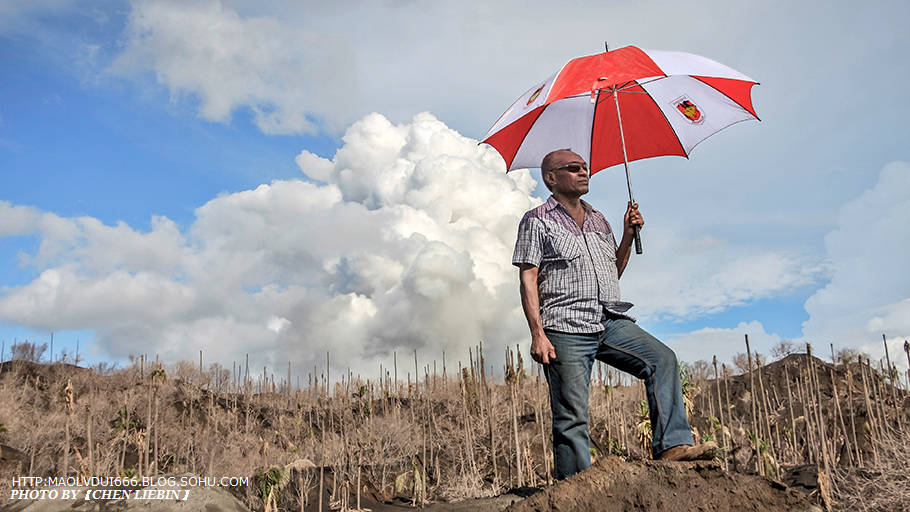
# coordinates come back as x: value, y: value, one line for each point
x: 623, y: 105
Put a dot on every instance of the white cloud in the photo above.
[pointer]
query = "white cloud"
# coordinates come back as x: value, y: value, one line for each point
x: 201, y: 48
x: 705, y: 343
x: 405, y: 243
x: 895, y: 349
x: 296, y: 66
x: 679, y: 277
x: 119, y: 298
x: 96, y: 247
x: 893, y: 316
x: 869, y: 291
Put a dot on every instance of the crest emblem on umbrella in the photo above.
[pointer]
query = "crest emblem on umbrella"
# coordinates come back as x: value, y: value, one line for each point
x: 689, y: 110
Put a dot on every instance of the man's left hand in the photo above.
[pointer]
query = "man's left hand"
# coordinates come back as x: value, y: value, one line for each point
x: 632, y: 218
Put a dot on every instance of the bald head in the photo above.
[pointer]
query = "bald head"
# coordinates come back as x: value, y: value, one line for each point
x: 555, y: 160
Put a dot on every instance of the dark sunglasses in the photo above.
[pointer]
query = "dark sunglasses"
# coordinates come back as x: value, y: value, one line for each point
x: 573, y: 168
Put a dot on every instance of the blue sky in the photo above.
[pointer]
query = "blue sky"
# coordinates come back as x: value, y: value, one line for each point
x: 136, y: 137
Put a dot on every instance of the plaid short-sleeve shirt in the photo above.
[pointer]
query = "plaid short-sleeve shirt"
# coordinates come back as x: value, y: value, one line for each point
x: 577, y: 280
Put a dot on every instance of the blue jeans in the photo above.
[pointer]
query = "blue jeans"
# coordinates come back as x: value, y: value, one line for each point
x: 627, y: 347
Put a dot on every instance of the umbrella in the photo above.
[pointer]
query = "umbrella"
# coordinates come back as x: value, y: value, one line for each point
x: 623, y: 105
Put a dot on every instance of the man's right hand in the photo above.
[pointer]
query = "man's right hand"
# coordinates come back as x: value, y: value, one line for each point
x: 542, y: 350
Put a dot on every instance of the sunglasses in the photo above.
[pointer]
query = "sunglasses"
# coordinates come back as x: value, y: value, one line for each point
x: 573, y: 168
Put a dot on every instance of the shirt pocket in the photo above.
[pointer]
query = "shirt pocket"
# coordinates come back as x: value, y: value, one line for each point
x: 606, y: 246
x: 563, y: 245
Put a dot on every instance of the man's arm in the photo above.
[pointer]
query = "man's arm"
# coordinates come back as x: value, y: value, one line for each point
x: 630, y: 220
x: 542, y: 350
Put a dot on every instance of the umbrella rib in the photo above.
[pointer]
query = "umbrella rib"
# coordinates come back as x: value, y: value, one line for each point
x: 591, y: 170
x: 524, y: 137
x: 664, y: 115
x: 621, y: 88
x: 651, y: 80
x: 625, y: 87
x: 728, y: 96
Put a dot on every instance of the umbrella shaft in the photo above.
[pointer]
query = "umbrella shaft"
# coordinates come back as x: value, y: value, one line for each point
x: 622, y: 139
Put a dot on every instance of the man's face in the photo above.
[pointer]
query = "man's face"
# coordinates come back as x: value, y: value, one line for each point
x: 568, y: 175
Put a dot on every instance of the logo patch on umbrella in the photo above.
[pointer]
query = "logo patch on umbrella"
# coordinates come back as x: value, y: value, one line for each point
x: 536, y: 94
x: 689, y: 110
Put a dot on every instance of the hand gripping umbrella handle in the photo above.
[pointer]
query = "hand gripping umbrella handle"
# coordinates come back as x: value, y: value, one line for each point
x: 637, y: 239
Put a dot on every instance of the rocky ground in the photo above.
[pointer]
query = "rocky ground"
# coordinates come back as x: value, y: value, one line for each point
x: 612, y: 484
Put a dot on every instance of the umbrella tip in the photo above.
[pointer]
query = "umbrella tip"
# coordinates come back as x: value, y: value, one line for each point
x: 606, y: 46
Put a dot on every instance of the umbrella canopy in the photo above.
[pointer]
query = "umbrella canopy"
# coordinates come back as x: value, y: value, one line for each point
x: 623, y: 105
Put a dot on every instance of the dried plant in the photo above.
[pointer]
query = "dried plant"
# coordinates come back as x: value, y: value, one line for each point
x: 468, y: 434
x: 884, y: 486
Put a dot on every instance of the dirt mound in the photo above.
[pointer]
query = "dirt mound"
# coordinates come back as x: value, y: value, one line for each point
x: 45, y: 372
x: 613, y: 484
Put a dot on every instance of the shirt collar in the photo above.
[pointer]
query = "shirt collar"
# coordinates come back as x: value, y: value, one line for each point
x: 553, y: 203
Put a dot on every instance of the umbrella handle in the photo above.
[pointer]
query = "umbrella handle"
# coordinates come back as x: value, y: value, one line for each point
x: 637, y: 239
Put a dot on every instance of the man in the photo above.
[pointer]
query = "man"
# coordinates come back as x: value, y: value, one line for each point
x: 569, y: 268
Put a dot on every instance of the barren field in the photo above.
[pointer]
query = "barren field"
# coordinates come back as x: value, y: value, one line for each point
x: 797, y: 434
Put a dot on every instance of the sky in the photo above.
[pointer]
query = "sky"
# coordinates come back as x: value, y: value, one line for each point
x: 286, y: 179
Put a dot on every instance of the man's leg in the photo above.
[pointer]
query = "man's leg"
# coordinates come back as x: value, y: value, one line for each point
x: 568, y: 377
x: 630, y: 348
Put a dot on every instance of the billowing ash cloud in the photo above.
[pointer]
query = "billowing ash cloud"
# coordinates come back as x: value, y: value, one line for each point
x: 403, y: 241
